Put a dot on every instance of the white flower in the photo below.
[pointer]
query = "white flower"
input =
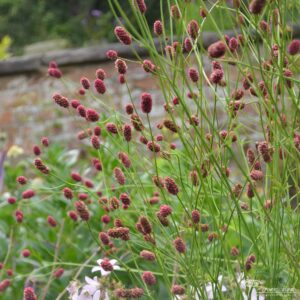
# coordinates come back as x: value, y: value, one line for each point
x: 103, y: 272
x: 210, y: 287
x: 243, y: 285
x: 14, y: 151
x: 242, y: 282
x: 72, y: 289
x: 91, y: 291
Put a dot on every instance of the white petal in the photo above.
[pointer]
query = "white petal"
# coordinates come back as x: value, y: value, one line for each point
x: 99, y: 261
x: 243, y: 284
x: 104, y: 273
x: 97, y: 295
x: 95, y: 269
x: 89, y: 289
x: 208, y: 287
x: 84, y: 295
x: 116, y: 268
x: 113, y: 261
x: 91, y: 281
x: 253, y: 294
x: 210, y: 295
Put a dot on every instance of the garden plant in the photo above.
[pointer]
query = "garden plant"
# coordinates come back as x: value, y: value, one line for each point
x: 200, y: 204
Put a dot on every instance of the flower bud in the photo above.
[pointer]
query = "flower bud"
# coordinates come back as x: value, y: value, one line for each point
x: 122, y: 35
x: 217, y: 49
x: 158, y: 27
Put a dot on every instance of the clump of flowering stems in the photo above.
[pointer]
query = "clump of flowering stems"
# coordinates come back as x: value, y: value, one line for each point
x: 208, y: 193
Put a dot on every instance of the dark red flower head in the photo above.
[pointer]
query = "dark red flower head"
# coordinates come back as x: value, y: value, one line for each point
x: 149, y: 278
x: 122, y: 78
x: 256, y: 6
x: 119, y: 176
x: 196, y: 216
x: 129, y: 108
x: 52, y: 64
x: 85, y: 83
x: 140, y: 4
x: 60, y: 100
x: 106, y: 265
x: 112, y: 128
x: 147, y: 255
x: 193, y: 29
x: 58, y: 272
x: 112, y: 55
x: 26, y: 253
x: 36, y: 150
x: 233, y: 44
x: 256, y: 175
x: 38, y: 163
x: 22, y: 180
x: 55, y: 72
x: 99, y: 86
x: 68, y: 193
x: 75, y: 103
x: 95, y: 142
x: 170, y: 125
x: 171, y: 186
x: 81, y: 110
x: 136, y: 122
x: 51, y: 221
x: 11, y: 200
x: 19, y: 216
x: 82, y: 210
x: 193, y: 74
x: 127, y: 132
x: 217, y: 49
x: 100, y: 74
x: 175, y: 12
x: 148, y: 66
x: 178, y: 289
x: 294, y: 47
x: 73, y: 215
x: 28, y: 194
x: 104, y: 238
x: 76, y: 176
x: 124, y: 159
x: 29, y: 294
x: 45, y: 141
x: 158, y: 27
x: 122, y: 35
x: 97, y: 130
x: 146, y: 103
x: 129, y: 293
x: 145, y: 225
x: 187, y: 45
x: 92, y: 115
x: 179, y: 245
x: 121, y: 66
x: 153, y: 146
x: 216, y: 76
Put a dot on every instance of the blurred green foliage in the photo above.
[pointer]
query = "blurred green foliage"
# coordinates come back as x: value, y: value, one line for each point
x: 30, y: 21
x: 4, y: 47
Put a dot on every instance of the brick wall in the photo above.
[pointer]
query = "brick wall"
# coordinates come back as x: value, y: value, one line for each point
x: 27, y: 111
